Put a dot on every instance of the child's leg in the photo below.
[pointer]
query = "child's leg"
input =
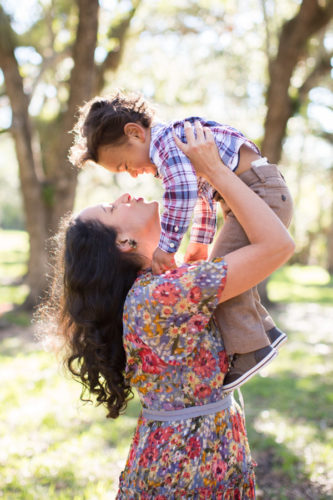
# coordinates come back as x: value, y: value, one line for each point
x: 264, y: 314
x: 238, y: 318
x: 243, y: 320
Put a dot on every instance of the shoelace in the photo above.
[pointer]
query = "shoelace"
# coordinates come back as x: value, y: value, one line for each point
x: 232, y: 361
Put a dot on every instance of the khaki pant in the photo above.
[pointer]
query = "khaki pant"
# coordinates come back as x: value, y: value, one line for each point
x: 243, y: 320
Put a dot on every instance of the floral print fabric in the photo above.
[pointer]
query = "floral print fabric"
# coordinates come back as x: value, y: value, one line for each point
x: 176, y: 359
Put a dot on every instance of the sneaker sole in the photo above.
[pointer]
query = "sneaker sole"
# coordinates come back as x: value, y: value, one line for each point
x: 244, y: 378
x: 279, y: 341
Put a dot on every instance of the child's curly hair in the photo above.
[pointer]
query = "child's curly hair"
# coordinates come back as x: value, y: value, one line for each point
x: 101, y: 121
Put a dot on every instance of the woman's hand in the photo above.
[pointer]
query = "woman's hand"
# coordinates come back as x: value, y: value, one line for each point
x: 201, y: 150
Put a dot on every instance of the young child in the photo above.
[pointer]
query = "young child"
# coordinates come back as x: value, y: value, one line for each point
x: 118, y: 133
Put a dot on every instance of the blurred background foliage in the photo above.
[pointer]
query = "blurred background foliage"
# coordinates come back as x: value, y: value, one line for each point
x: 260, y: 65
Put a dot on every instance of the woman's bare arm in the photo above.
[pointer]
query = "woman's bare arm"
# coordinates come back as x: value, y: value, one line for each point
x: 270, y: 243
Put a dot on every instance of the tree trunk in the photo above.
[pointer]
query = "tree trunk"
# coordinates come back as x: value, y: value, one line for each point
x: 295, y: 34
x: 49, y: 183
x: 63, y: 176
x: 330, y: 236
x: 21, y: 130
x: 117, y: 32
x: 47, y: 197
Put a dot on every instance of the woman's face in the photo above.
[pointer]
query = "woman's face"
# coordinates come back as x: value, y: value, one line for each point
x: 133, y: 218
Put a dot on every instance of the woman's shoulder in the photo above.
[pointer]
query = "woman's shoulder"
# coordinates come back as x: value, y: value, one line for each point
x: 146, y: 277
x: 203, y: 275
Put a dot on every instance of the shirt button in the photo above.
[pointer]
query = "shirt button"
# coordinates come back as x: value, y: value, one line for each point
x: 176, y: 229
x: 172, y: 245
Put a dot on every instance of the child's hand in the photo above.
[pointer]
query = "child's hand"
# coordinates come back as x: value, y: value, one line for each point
x: 196, y: 251
x: 162, y: 261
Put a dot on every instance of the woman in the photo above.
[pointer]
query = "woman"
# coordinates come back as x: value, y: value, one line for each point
x: 125, y: 328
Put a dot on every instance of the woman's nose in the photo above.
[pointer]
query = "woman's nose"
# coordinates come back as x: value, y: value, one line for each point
x: 124, y: 198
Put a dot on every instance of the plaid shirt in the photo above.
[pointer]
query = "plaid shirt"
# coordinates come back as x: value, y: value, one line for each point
x: 185, y: 194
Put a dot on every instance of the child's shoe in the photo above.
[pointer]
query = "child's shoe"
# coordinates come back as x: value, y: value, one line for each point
x: 244, y: 366
x: 276, y: 336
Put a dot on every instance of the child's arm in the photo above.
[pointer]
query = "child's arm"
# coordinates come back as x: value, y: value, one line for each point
x: 203, y: 230
x: 179, y: 199
x: 180, y: 194
x: 202, y: 233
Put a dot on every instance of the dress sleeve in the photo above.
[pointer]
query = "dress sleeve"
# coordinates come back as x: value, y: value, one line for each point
x: 180, y: 305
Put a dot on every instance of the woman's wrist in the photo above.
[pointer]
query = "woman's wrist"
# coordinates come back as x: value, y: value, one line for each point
x: 218, y: 176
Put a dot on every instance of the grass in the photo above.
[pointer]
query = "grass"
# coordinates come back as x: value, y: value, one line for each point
x: 301, y: 284
x: 290, y: 406
x: 52, y: 446
x: 13, y: 265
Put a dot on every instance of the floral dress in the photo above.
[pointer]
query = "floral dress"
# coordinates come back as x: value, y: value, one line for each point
x: 176, y: 359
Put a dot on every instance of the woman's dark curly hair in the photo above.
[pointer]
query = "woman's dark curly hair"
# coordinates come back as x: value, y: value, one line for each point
x: 85, y: 308
x: 101, y: 122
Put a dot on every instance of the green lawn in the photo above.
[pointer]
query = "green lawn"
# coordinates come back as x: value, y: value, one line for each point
x: 13, y: 265
x: 301, y: 284
x: 54, y: 447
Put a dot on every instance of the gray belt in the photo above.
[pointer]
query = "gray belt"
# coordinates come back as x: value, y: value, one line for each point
x: 190, y: 412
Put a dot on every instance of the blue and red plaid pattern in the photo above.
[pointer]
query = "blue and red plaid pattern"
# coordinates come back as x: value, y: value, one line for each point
x: 184, y: 193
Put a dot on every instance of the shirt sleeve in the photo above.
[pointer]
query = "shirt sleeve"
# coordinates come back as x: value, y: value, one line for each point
x: 179, y: 199
x: 181, y: 303
x: 229, y: 141
x: 204, y: 222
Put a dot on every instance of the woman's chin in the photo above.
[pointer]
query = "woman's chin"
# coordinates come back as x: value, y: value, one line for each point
x: 155, y: 204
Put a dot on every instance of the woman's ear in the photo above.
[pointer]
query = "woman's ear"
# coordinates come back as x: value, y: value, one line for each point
x: 135, y: 130
x: 126, y: 244
x: 123, y: 246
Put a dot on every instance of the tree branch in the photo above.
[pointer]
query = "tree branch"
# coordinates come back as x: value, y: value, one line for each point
x: 328, y: 136
x: 5, y: 130
x: 267, y: 31
x: 113, y: 58
x: 81, y: 79
x: 47, y: 63
x: 49, y: 18
x: 321, y: 68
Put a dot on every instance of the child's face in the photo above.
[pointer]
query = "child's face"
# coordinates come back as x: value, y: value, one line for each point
x: 131, y: 156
